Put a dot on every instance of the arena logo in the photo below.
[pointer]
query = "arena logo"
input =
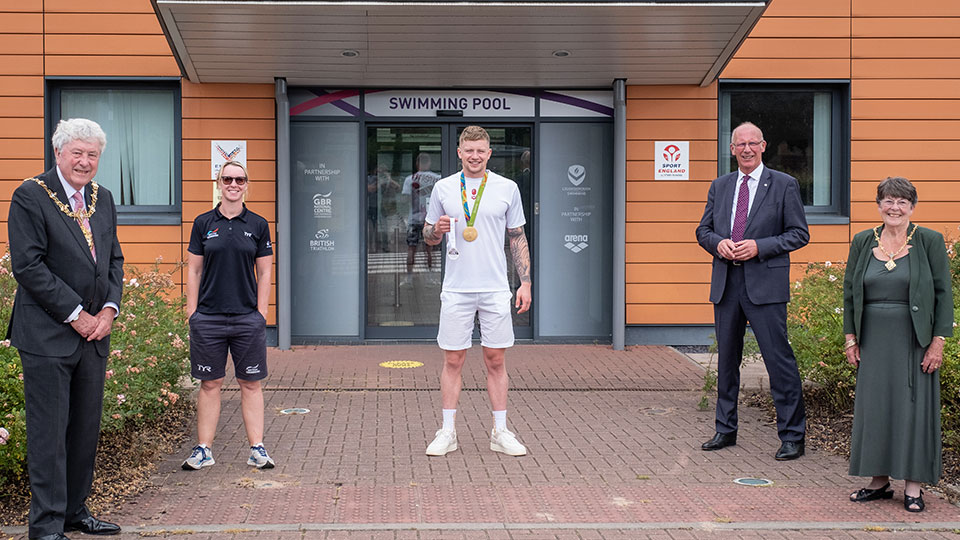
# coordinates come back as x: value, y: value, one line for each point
x: 576, y: 242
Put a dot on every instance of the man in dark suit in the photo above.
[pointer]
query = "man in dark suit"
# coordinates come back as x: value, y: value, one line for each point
x: 69, y: 269
x: 753, y: 219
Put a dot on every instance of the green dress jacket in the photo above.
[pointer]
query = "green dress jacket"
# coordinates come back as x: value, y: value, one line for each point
x: 931, y: 293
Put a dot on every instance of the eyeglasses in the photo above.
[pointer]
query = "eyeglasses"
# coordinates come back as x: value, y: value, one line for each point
x: 239, y: 180
x: 899, y: 203
x: 753, y: 144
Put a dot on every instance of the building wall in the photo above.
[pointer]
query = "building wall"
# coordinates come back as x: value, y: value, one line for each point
x: 122, y: 38
x: 902, y: 60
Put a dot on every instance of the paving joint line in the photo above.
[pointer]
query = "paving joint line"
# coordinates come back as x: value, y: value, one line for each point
x: 472, y: 389
x: 479, y: 526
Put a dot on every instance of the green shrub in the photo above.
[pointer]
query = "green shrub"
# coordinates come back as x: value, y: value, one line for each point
x: 815, y: 326
x: 149, y: 356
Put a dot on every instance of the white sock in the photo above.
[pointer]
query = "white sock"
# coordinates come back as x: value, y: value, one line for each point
x: 256, y: 445
x: 500, y: 420
x: 449, y: 415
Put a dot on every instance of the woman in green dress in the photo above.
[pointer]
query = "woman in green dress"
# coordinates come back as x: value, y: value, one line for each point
x: 898, y: 311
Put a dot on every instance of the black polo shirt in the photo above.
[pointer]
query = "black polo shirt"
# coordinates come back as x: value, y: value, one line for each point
x: 230, y: 248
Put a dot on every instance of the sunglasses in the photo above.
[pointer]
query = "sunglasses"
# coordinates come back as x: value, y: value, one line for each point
x: 227, y: 180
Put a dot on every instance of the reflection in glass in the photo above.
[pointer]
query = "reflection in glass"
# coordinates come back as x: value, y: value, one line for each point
x: 512, y: 158
x: 797, y: 128
x: 403, y: 272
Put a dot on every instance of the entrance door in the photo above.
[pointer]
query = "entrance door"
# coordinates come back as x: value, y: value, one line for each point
x: 404, y: 275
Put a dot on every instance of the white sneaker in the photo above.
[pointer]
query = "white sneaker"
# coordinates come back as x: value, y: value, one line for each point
x: 259, y: 458
x: 505, y: 441
x: 200, y: 457
x: 445, y: 441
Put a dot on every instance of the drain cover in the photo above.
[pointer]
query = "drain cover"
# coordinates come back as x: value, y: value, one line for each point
x: 295, y: 410
x: 401, y: 364
x: 753, y: 482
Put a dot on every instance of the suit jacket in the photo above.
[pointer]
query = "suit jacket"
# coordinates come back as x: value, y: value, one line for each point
x: 776, y: 222
x: 54, y: 269
x: 931, y: 293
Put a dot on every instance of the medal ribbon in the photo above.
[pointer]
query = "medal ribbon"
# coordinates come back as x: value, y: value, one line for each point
x: 471, y: 216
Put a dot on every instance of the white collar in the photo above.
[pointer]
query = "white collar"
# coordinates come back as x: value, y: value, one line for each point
x: 754, y: 175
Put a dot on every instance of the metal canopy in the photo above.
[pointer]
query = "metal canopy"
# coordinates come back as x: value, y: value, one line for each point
x: 475, y: 44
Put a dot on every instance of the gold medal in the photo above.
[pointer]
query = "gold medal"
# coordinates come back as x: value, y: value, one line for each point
x: 470, y: 234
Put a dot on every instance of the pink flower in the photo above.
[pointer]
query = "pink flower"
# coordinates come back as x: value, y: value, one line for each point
x: 115, y: 416
x: 121, y: 399
x: 109, y: 373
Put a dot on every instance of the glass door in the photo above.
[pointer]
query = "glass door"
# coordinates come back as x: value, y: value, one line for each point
x: 512, y: 157
x: 403, y: 272
x: 404, y: 275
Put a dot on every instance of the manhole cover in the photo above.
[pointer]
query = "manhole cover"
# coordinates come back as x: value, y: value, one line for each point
x: 753, y: 482
x: 401, y: 364
x: 295, y: 410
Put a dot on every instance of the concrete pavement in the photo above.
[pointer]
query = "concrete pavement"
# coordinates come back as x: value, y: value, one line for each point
x: 614, y: 453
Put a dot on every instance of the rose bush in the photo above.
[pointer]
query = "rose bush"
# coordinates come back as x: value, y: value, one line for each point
x: 149, y: 357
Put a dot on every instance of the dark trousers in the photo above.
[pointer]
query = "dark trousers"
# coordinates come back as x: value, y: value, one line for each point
x: 769, y: 324
x: 64, y: 400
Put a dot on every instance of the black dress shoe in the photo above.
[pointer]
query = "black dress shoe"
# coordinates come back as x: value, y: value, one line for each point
x: 53, y: 536
x: 92, y: 525
x: 720, y: 440
x: 790, y: 450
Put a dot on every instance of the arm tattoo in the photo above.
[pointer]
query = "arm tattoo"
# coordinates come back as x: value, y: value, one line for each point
x: 428, y: 235
x: 520, y: 252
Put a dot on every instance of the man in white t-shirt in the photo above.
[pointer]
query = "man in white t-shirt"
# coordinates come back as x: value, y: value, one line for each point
x: 478, y: 206
x: 418, y: 187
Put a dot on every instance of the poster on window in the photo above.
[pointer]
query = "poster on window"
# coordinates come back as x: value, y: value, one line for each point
x: 671, y: 160
x: 224, y: 151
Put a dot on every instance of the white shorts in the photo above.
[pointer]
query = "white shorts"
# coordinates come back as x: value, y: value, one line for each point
x: 457, y: 311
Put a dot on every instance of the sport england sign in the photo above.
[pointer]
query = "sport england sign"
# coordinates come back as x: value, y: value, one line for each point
x: 671, y: 160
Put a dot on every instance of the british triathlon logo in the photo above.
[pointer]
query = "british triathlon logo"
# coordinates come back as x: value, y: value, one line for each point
x: 576, y: 174
x: 253, y: 370
x: 323, y: 205
x: 671, y: 153
x: 214, y: 233
x: 576, y: 242
x: 322, y: 241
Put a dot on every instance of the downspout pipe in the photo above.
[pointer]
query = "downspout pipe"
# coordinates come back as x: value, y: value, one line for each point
x: 284, y: 241
x: 619, y: 212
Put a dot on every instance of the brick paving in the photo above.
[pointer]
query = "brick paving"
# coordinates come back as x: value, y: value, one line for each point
x: 613, y: 440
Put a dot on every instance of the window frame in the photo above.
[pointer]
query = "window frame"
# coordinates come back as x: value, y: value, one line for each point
x: 838, y: 212
x: 141, y: 214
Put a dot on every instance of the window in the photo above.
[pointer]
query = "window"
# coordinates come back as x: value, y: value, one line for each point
x: 141, y: 163
x: 805, y: 126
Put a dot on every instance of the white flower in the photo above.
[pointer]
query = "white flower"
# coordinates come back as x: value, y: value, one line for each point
x: 796, y: 285
x: 828, y: 264
x: 838, y: 310
x: 832, y: 277
x: 121, y: 399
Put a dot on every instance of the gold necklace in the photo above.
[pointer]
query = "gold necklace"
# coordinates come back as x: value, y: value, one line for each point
x: 890, y: 265
x: 77, y: 215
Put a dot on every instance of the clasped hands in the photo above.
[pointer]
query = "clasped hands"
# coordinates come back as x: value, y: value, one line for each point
x: 94, y: 327
x: 738, y: 251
